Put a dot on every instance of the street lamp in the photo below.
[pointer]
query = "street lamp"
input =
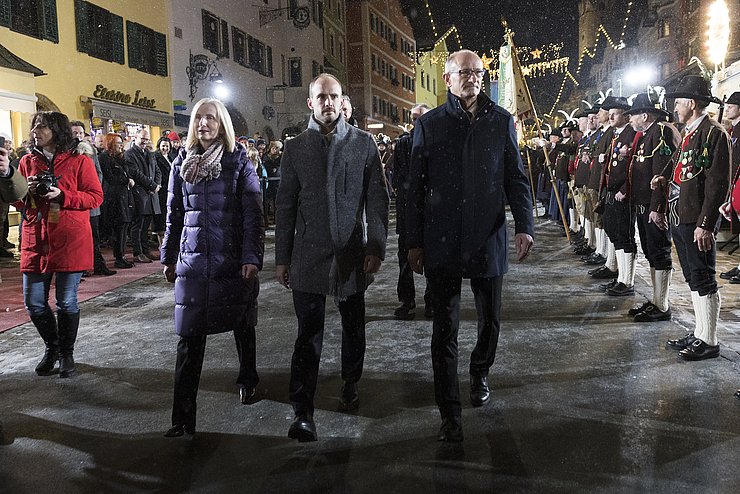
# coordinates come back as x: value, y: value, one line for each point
x: 636, y: 76
x: 718, y: 33
x: 201, y: 68
x: 640, y: 75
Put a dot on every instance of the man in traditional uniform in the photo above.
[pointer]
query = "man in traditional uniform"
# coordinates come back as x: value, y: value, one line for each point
x: 546, y: 166
x: 605, y: 253
x: 656, y: 143
x: 732, y: 113
x: 560, y: 168
x: 582, y: 172
x: 702, y: 177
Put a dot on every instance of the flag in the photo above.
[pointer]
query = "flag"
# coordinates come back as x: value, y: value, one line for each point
x: 513, y: 93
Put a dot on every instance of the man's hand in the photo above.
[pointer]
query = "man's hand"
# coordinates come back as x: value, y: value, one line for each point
x: 249, y: 271
x: 658, y: 219
x: 282, y: 273
x: 726, y: 211
x: 371, y: 264
x: 4, y: 162
x: 657, y: 181
x: 169, y: 272
x: 704, y: 239
x: 416, y: 260
x: 619, y: 196
x: 524, y: 243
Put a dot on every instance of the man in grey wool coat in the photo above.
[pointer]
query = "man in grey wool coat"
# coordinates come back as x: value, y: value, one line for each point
x: 330, y: 234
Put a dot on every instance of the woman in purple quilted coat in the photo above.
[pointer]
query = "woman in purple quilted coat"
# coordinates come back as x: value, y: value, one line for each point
x: 212, y: 251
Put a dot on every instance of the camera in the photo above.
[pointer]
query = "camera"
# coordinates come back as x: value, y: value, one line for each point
x: 45, y: 182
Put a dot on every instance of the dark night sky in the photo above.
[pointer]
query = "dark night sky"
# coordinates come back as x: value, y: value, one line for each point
x: 534, y: 22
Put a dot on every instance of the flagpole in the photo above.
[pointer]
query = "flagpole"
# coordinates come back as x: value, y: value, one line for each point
x: 515, y: 58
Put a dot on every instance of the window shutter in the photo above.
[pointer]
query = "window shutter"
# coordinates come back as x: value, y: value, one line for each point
x: 51, y: 30
x: 224, y: 39
x: 161, y: 53
x: 5, y: 13
x: 83, y: 33
x: 269, y: 61
x: 134, y: 45
x: 116, y: 30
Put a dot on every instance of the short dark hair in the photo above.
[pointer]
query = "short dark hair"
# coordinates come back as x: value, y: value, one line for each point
x: 161, y: 140
x: 59, y: 125
x: 77, y: 123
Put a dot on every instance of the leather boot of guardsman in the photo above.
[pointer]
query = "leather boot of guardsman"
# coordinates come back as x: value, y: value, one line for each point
x: 46, y: 325
x: 68, y: 324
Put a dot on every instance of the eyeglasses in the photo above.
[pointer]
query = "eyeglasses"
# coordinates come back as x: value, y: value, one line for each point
x: 466, y: 73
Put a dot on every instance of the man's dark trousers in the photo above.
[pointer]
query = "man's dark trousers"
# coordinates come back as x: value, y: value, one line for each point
x: 445, y: 295
x: 310, y: 310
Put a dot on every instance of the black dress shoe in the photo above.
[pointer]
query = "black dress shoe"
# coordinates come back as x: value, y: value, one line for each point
x: 604, y: 274
x: 735, y: 280
x: 303, y: 428
x: 123, y: 264
x: 180, y: 429
x: 104, y: 271
x: 479, y: 394
x: 451, y: 430
x: 349, y: 400
x: 621, y: 290
x: 605, y: 286
x: 405, y: 312
x: 428, y: 311
x: 653, y: 314
x: 594, y: 260
x: 680, y: 343
x: 246, y: 394
x: 729, y: 274
x: 640, y: 308
x: 737, y: 393
x: 698, y: 350
x: 584, y: 251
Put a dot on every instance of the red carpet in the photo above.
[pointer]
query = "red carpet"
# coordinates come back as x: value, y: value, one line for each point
x: 13, y: 312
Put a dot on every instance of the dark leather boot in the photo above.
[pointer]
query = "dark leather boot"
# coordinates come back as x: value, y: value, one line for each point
x: 46, y: 325
x: 68, y: 324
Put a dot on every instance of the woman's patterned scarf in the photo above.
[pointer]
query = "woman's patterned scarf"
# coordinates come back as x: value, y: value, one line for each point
x: 196, y: 167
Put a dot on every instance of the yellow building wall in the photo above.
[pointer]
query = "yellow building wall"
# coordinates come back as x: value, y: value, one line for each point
x: 72, y: 74
x: 435, y: 71
x: 426, y: 69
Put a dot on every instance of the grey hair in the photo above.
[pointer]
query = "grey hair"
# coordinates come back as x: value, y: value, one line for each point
x: 452, y: 59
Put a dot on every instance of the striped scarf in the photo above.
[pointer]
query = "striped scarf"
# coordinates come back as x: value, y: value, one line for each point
x: 196, y: 167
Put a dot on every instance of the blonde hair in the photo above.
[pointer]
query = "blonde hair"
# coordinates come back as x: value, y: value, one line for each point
x: 254, y: 156
x: 226, y: 128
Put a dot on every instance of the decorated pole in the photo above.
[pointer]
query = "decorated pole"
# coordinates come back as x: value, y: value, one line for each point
x: 512, y: 98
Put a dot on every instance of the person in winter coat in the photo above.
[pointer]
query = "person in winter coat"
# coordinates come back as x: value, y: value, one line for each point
x: 142, y: 167
x: 13, y: 186
x: 56, y: 235
x: 271, y: 163
x: 162, y: 155
x: 331, y: 224
x: 119, y: 200
x: 456, y: 223
x: 212, y: 251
